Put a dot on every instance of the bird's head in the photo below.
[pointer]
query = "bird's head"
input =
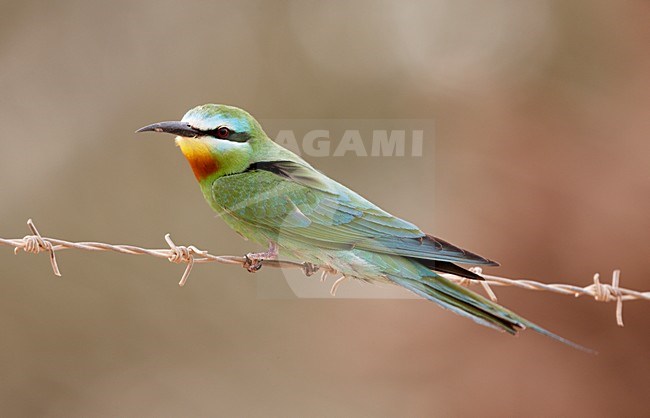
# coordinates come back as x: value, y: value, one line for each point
x: 215, y: 139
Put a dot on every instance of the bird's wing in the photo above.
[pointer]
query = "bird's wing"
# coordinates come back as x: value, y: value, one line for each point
x: 299, y: 202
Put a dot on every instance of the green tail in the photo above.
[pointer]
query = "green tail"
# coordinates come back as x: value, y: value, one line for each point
x: 467, y: 303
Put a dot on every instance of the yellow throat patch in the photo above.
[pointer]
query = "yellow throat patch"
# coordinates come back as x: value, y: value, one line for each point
x: 198, y: 154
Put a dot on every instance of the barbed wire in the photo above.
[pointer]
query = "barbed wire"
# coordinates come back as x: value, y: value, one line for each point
x: 190, y: 255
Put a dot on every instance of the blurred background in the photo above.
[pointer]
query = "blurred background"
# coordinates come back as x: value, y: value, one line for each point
x: 541, y: 161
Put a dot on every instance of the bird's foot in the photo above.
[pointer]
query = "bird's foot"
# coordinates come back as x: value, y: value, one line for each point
x: 309, y: 268
x: 253, y: 261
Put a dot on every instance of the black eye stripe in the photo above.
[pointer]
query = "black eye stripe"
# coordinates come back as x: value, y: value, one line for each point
x: 221, y: 132
x: 232, y: 135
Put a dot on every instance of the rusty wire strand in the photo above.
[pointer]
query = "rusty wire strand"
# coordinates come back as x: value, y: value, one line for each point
x: 191, y: 255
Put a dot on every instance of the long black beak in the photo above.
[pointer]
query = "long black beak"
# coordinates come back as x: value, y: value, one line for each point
x: 175, y: 128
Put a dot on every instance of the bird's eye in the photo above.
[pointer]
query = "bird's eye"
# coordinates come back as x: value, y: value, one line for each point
x: 223, y: 132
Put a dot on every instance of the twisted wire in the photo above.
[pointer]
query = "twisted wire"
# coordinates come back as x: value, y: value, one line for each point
x: 190, y: 255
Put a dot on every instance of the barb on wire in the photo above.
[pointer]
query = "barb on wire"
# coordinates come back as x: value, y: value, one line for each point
x: 183, y: 255
x: 35, y: 244
x: 190, y: 255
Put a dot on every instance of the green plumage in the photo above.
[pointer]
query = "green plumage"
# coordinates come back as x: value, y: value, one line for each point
x: 268, y: 194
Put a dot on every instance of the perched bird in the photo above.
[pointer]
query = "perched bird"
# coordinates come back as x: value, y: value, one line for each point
x: 272, y: 196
